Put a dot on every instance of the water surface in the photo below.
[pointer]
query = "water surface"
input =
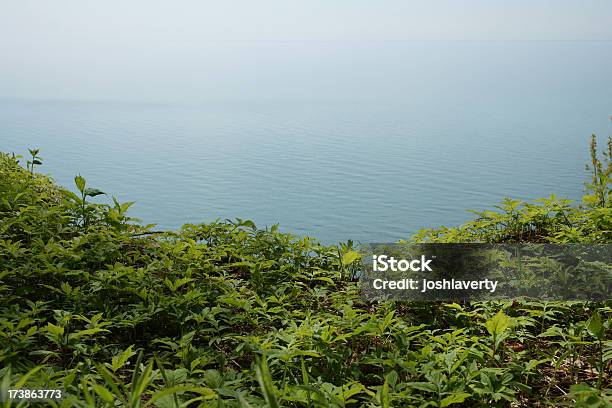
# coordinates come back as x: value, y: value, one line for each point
x: 369, y: 142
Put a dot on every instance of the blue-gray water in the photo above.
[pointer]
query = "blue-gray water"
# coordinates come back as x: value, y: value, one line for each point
x: 371, y: 144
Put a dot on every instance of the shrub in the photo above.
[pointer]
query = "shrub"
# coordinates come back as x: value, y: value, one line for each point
x: 227, y: 314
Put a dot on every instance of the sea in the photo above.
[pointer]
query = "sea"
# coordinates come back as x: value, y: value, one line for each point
x: 368, y: 142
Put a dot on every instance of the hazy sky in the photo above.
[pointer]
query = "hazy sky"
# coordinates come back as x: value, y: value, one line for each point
x: 151, y: 49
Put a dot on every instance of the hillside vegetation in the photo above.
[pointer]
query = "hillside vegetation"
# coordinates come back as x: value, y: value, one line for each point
x: 229, y: 315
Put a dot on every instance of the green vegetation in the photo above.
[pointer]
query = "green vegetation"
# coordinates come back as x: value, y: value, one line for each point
x: 228, y: 315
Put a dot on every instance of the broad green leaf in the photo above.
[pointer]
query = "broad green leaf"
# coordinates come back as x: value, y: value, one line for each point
x: 119, y: 360
x: 454, y: 399
x: 105, y: 394
x: 422, y: 386
x: 498, y: 323
x: 55, y: 330
x: 80, y: 183
x: 24, y: 378
x: 350, y: 257
x: 205, y: 392
x: 595, y: 326
x: 92, y: 192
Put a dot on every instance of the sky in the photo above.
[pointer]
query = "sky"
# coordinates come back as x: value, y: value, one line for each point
x: 184, y: 49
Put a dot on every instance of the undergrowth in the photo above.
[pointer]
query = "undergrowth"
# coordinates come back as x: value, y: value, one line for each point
x: 229, y: 315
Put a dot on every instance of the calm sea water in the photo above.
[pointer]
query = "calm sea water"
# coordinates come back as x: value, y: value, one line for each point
x: 371, y: 143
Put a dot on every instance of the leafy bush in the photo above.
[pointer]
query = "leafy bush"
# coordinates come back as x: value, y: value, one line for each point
x: 226, y: 314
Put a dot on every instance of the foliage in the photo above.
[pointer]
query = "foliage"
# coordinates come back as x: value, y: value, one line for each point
x: 228, y: 315
x: 549, y: 219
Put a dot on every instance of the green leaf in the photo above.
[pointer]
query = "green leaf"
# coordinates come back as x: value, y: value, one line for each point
x: 422, y: 386
x: 5, y: 384
x: 88, y: 397
x: 24, y: 378
x: 119, y: 360
x: 110, y: 380
x: 105, y: 394
x: 454, y: 399
x: 350, y: 257
x: 92, y: 192
x: 248, y: 223
x: 385, y: 397
x: 55, y: 330
x: 71, y: 196
x: 244, y: 403
x: 141, y: 383
x: 213, y: 378
x: 392, y: 378
x: 80, y: 183
x: 498, y: 323
x: 595, y: 326
x: 265, y: 382
x: 205, y: 392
